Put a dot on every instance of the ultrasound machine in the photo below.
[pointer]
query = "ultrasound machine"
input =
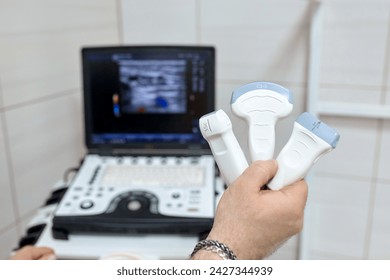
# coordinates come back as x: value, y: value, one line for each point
x: 148, y: 169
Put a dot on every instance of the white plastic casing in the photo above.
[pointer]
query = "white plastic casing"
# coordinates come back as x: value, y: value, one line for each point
x: 261, y: 104
x: 216, y: 128
x: 102, y: 187
x: 302, y: 150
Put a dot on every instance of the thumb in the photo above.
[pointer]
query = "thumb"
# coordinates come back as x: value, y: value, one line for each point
x: 258, y: 174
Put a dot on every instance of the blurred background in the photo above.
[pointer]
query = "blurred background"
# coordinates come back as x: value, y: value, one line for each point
x: 41, y: 127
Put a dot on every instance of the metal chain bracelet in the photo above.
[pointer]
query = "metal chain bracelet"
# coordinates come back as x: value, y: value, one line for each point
x: 215, y: 246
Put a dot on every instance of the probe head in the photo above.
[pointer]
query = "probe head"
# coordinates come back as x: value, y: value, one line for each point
x: 261, y: 98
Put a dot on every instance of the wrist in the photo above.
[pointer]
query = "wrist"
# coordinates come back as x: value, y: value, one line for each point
x: 205, y: 255
x: 226, y: 240
x: 215, y: 247
x: 240, y: 245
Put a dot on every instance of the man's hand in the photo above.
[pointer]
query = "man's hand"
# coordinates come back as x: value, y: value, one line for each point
x: 252, y: 222
x: 34, y: 253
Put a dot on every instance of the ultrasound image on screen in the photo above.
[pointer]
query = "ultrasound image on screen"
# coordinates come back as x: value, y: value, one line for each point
x: 153, y: 86
x: 147, y: 96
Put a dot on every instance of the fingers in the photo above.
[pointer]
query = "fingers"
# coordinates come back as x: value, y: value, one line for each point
x: 41, y: 253
x: 258, y: 174
x: 34, y: 253
x: 48, y: 257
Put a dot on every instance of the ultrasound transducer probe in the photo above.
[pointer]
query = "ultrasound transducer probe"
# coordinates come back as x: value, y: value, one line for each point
x: 261, y: 105
x: 216, y: 128
x: 309, y: 141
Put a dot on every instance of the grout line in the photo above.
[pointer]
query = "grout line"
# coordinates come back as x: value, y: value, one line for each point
x: 119, y: 14
x: 369, y: 222
x: 8, y: 158
x: 284, y: 83
x: 335, y: 256
x: 17, y: 225
x: 198, y: 20
x: 41, y: 99
x: 383, y: 181
x: 372, y: 198
x: 323, y: 86
x: 59, y: 30
x: 350, y: 86
x: 386, y: 66
x: 9, y: 227
x: 378, y: 148
x: 343, y: 176
x: 352, y: 177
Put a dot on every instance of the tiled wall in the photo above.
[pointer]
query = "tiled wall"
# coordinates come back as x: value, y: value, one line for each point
x: 254, y: 40
x: 40, y: 101
x: 351, y: 189
x: 349, y: 197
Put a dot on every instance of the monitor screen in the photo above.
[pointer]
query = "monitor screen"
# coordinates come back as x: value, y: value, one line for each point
x: 137, y: 96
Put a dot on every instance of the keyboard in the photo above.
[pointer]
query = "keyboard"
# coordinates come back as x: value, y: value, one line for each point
x: 153, y: 175
x: 129, y: 194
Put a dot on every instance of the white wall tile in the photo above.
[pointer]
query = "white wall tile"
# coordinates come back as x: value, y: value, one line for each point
x: 7, y: 215
x: 353, y: 44
x: 17, y: 16
x: 159, y: 22
x: 257, y: 40
x: 8, y: 242
x: 339, y: 212
x: 355, y: 152
x: 40, y: 98
x: 45, y: 140
x: 384, y: 155
x: 41, y: 64
x: 288, y: 251
x: 317, y: 255
x: 380, y: 242
x: 355, y: 94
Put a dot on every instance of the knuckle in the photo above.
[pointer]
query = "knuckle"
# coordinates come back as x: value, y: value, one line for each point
x: 263, y: 168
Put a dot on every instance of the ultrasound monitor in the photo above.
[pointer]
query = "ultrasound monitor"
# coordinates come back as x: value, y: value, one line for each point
x: 147, y: 96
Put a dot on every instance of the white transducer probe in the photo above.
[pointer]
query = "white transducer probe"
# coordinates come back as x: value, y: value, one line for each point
x: 216, y: 128
x: 310, y: 139
x: 261, y: 104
